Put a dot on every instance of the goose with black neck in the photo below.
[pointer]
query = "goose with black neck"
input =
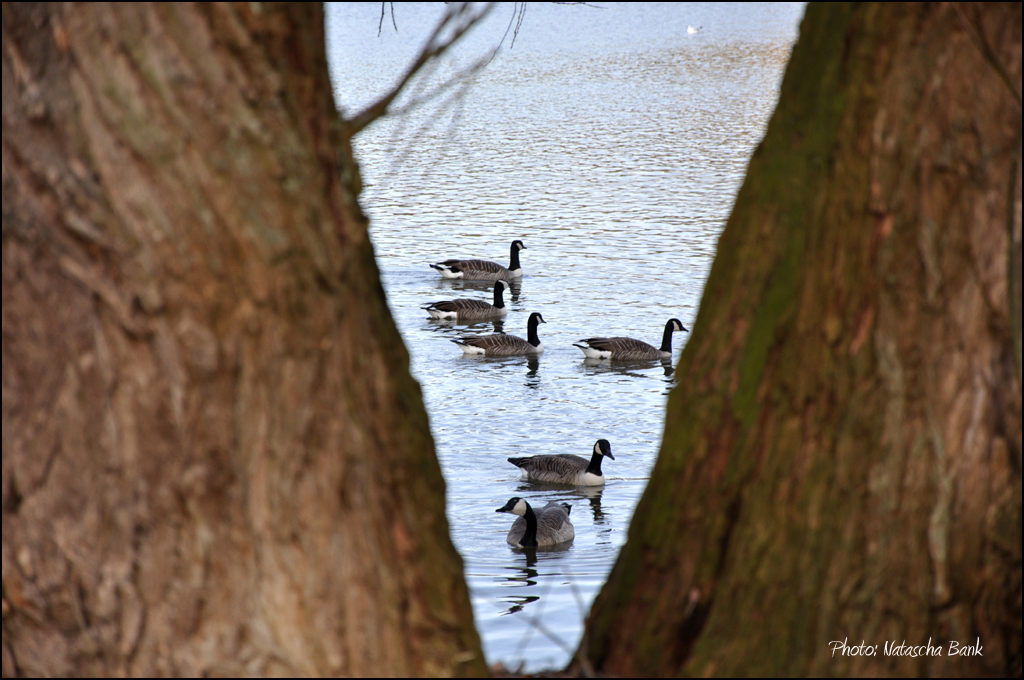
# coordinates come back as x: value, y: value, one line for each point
x: 566, y: 468
x: 550, y: 527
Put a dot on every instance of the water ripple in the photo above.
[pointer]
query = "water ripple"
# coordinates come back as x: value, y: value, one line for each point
x: 614, y: 150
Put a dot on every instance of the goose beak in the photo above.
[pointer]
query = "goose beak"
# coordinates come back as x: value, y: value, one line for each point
x: 507, y: 507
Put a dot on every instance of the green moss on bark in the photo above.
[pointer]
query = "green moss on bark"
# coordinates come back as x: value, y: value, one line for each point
x: 818, y: 452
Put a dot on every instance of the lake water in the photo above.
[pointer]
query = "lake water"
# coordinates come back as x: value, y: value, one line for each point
x: 612, y: 142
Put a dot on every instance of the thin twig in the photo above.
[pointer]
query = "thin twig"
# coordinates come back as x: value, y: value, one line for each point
x: 454, y: 99
x: 518, y: 13
x: 535, y: 621
x: 441, y: 89
x: 393, y: 22
x: 457, y: 20
x: 535, y: 624
x: 582, y: 655
x: 501, y: 42
x: 519, y: 23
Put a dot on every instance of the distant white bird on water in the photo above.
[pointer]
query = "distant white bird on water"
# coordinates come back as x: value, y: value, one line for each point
x: 691, y: 30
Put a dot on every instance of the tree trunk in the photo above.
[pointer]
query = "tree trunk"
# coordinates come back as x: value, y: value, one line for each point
x: 215, y: 461
x: 842, y: 457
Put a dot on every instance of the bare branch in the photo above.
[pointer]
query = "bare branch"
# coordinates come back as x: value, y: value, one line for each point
x: 393, y: 22
x: 441, y: 89
x: 519, y: 23
x: 457, y: 20
x: 515, y: 7
x: 453, y: 99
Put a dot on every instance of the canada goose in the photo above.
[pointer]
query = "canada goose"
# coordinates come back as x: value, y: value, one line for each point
x: 550, y: 526
x: 630, y: 348
x: 464, y: 309
x: 504, y: 345
x: 483, y: 270
x: 566, y: 468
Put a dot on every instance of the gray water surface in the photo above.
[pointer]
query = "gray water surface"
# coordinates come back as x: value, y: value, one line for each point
x: 612, y: 142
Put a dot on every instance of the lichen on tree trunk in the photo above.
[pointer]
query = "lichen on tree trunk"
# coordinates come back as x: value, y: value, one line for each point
x: 215, y: 459
x: 842, y: 456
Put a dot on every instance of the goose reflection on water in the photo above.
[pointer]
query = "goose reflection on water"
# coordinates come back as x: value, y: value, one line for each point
x: 532, y: 365
x: 567, y: 492
x: 520, y: 602
x: 447, y: 327
x: 449, y: 286
x: 526, y: 575
x: 632, y: 368
x: 593, y: 494
x: 532, y: 578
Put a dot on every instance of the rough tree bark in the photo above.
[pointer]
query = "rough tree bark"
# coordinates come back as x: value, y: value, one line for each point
x: 215, y: 460
x: 842, y: 457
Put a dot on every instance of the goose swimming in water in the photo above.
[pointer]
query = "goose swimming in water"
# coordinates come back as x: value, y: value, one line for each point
x: 631, y: 348
x: 550, y: 526
x: 466, y: 309
x: 566, y: 468
x: 504, y: 345
x: 483, y: 270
